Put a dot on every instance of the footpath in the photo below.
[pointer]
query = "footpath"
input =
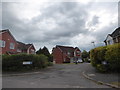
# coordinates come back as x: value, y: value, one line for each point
x: 109, y: 79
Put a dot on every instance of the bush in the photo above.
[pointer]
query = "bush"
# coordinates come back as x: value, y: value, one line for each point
x: 106, y: 58
x: 102, y: 68
x: 97, y: 55
x: 50, y: 63
x: 15, y: 62
x: 113, y: 57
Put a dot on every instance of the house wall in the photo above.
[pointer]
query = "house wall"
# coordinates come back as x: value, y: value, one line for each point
x: 109, y: 40
x: 31, y: 50
x: 0, y: 47
x: 76, y: 54
x: 117, y: 39
x: 66, y: 59
x: 57, y: 56
x: 8, y: 39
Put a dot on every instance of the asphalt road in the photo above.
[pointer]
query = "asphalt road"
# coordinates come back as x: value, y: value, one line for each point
x: 57, y: 76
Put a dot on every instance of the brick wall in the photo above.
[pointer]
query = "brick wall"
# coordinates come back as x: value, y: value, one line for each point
x: 57, y: 56
x: 8, y: 39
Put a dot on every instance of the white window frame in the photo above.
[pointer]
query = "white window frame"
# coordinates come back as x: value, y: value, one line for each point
x: 32, y: 51
x: 68, y: 53
x: 78, y: 52
x: 2, y: 43
x: 12, y: 46
x: 18, y: 50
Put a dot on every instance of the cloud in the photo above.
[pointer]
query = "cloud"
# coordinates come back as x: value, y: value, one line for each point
x: 63, y: 23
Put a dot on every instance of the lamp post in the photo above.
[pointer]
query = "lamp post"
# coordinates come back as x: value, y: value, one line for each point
x: 93, y: 43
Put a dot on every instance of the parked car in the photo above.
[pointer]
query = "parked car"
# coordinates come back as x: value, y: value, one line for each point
x: 80, y: 61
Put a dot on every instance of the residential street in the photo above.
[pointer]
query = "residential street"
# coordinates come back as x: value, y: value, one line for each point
x: 57, y: 76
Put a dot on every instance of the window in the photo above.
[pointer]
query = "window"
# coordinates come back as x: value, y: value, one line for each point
x: 78, y: 52
x: 116, y: 40
x: 32, y: 51
x: 68, y: 53
x: 12, y: 46
x: 18, y: 50
x: 2, y: 43
x: 110, y: 42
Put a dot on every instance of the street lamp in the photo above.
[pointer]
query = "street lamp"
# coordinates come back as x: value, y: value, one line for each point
x: 93, y: 43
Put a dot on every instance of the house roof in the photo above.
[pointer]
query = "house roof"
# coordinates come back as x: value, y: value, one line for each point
x: 107, y: 37
x: 1, y: 31
x: 20, y: 45
x: 28, y: 45
x: 7, y: 30
x: 23, y: 46
x: 116, y: 32
x: 66, y: 48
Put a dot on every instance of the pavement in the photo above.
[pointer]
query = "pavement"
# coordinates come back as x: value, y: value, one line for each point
x: 61, y: 75
x: 108, y: 79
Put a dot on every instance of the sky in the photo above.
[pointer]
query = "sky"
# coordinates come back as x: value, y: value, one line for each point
x: 68, y: 23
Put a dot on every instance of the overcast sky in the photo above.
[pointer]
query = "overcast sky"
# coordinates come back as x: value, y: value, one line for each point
x: 48, y: 24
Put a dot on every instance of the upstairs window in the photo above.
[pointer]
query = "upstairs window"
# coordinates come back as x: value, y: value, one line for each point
x: 2, y: 43
x: 32, y: 51
x: 78, y: 52
x: 12, y: 46
x: 68, y: 53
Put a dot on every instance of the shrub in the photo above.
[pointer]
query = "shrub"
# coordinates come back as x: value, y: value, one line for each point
x: 108, y: 54
x: 102, y: 68
x: 85, y: 60
x: 15, y: 62
x: 113, y: 57
x: 97, y: 55
x: 50, y: 63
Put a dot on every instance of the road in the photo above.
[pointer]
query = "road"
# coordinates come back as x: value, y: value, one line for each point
x: 57, y: 76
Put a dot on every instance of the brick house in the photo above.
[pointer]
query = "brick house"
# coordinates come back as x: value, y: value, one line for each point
x: 113, y: 38
x: 25, y: 48
x: 65, y: 54
x: 9, y: 45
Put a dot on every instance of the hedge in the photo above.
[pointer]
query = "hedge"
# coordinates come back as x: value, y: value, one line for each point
x: 106, y: 58
x: 15, y: 62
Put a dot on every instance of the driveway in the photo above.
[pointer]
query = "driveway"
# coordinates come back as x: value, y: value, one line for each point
x: 57, y: 76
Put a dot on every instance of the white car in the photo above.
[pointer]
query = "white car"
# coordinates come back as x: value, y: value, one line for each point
x: 79, y: 61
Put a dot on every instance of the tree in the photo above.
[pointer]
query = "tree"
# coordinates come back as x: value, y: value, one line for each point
x: 39, y: 51
x: 85, y: 55
x: 45, y: 52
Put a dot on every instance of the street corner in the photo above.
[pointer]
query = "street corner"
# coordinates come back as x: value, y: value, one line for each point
x: 92, y: 77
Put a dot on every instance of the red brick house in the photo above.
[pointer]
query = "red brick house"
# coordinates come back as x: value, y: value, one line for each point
x: 25, y: 48
x: 65, y: 54
x: 9, y: 45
